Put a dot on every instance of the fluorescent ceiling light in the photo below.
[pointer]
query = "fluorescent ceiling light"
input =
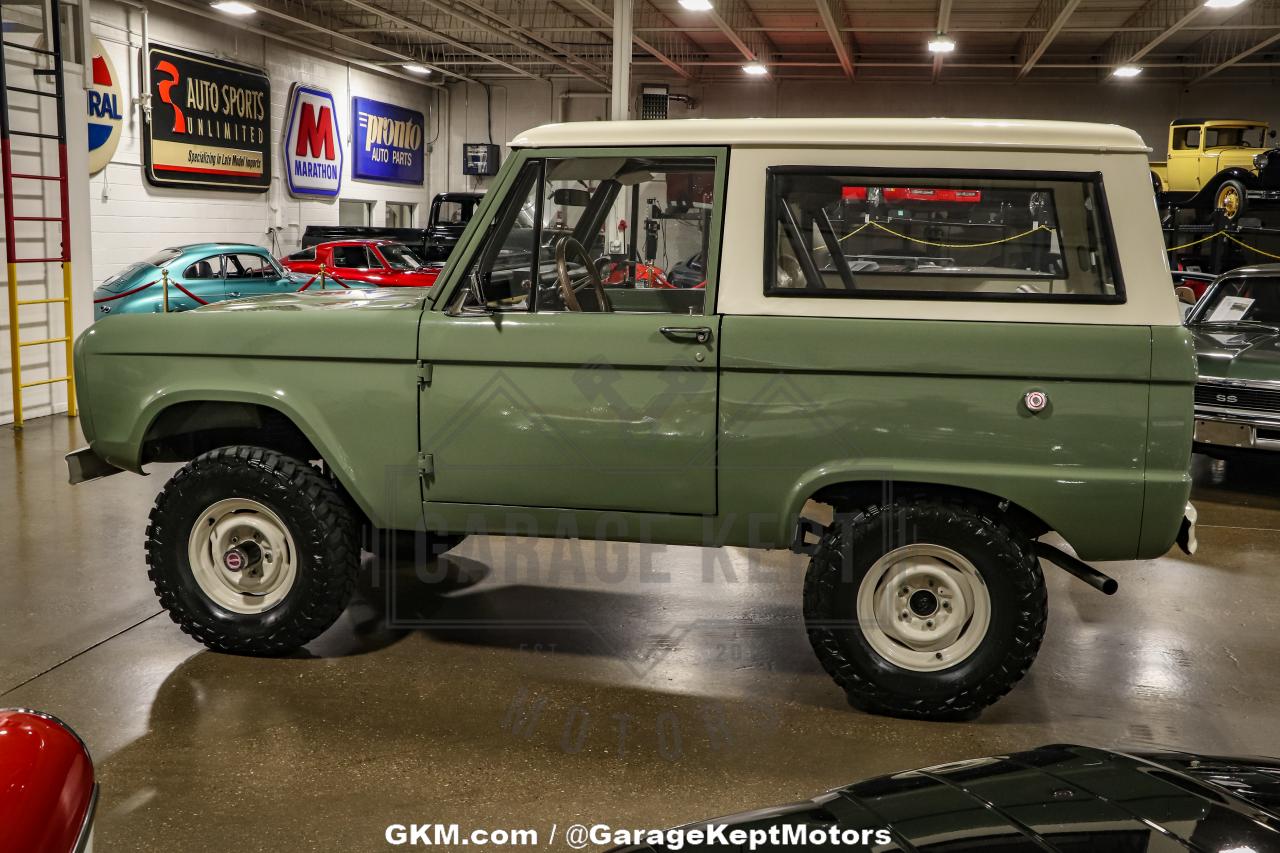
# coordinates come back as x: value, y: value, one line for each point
x: 942, y: 43
x: 234, y: 7
x: 415, y: 68
x: 1127, y: 71
x: 1222, y: 4
x: 696, y: 5
x: 755, y: 69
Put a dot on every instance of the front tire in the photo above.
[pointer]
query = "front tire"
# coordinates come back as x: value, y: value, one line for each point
x: 252, y: 552
x: 924, y: 608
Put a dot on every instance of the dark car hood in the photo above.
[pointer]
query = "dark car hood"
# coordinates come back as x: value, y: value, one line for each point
x: 1237, y: 351
x: 1060, y: 798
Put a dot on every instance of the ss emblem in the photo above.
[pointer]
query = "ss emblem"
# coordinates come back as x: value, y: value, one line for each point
x: 1226, y: 398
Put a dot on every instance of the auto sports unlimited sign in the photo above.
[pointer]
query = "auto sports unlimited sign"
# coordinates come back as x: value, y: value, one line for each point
x: 388, y: 142
x: 312, y: 143
x: 210, y: 124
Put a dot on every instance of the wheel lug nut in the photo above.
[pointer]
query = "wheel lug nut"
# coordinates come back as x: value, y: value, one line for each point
x: 905, y: 616
x: 929, y: 624
x: 938, y: 655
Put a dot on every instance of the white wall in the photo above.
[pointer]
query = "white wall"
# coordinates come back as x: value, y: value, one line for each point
x: 131, y: 218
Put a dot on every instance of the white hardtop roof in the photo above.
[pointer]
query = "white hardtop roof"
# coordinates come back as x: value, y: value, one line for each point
x: 1009, y: 134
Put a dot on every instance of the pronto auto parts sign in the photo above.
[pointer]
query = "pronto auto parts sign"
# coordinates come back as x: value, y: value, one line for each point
x: 388, y: 142
x: 312, y: 143
x: 210, y: 124
x: 105, y: 110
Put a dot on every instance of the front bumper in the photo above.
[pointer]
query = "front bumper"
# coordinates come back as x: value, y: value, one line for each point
x: 1239, y: 429
x: 84, y: 465
x: 1263, y: 195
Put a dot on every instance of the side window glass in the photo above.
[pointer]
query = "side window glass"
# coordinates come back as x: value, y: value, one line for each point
x: 204, y: 269
x: 350, y: 257
x: 501, y: 271
x: 244, y: 266
x: 915, y: 236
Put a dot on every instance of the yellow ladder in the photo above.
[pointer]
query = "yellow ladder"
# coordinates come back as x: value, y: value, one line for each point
x: 16, y: 343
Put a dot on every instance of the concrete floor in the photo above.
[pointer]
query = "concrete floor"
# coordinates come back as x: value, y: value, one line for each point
x: 566, y: 682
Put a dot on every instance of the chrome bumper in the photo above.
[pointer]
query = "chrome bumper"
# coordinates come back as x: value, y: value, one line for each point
x: 84, y: 465
x: 1237, y: 429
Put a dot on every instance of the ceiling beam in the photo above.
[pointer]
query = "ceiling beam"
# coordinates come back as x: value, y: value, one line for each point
x: 505, y: 23
x: 305, y: 48
x: 829, y: 12
x: 647, y: 46
x: 1166, y: 16
x: 944, y: 22
x: 334, y: 34
x: 739, y: 24
x: 507, y: 36
x: 423, y: 30
x: 1225, y: 48
x: 1051, y: 15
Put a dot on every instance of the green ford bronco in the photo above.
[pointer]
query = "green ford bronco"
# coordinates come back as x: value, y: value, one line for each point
x: 908, y: 348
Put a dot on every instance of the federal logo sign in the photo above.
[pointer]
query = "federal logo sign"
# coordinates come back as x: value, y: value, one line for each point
x: 388, y: 142
x: 105, y: 109
x: 312, y: 143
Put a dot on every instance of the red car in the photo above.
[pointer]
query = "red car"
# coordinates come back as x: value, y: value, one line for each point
x: 47, y: 785
x: 383, y: 263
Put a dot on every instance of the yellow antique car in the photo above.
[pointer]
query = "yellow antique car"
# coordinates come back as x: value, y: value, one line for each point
x: 1218, y: 164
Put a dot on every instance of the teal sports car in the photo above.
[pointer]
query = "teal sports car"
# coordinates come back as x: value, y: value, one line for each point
x: 200, y: 274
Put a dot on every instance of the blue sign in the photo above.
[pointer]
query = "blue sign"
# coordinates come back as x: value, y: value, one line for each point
x: 387, y: 143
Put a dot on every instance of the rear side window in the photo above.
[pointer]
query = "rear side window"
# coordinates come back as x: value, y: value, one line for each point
x: 939, y: 235
x: 350, y: 257
x: 204, y: 269
x: 304, y: 255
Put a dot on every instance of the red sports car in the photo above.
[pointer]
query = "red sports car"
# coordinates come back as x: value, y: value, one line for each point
x: 383, y: 263
x: 47, y: 787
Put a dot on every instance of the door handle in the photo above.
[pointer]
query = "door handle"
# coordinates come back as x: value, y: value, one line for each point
x: 701, y: 334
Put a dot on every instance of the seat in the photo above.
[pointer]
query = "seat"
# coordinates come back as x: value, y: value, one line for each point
x: 203, y: 269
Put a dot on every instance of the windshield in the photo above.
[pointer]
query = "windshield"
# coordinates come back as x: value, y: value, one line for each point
x: 1244, y: 136
x: 1255, y: 299
x: 400, y: 257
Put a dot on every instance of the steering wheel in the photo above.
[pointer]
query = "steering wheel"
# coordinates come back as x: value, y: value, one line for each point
x: 568, y: 286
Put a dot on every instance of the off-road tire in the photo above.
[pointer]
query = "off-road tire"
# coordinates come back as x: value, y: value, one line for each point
x: 1008, y: 567
x: 319, y: 520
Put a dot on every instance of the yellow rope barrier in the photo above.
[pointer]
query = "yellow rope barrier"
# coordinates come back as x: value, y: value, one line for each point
x: 1242, y: 244
x: 1196, y: 242
x: 1251, y: 248
x: 909, y: 239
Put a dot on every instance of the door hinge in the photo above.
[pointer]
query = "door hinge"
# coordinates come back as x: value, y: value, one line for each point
x: 424, y: 374
x: 426, y: 464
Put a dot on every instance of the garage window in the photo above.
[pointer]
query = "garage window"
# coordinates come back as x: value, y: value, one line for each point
x: 939, y: 235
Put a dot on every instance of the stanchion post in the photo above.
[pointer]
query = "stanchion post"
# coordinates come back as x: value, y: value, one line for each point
x: 164, y: 286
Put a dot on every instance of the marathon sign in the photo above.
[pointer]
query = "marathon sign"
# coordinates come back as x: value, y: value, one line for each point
x: 312, y: 143
x: 388, y: 142
x: 210, y: 125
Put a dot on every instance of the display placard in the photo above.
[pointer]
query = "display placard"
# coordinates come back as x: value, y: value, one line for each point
x: 388, y: 142
x: 210, y: 124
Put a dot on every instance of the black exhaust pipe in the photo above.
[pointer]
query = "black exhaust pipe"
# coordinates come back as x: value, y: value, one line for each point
x: 1105, y: 584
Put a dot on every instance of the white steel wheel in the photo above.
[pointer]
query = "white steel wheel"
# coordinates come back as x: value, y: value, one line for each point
x: 242, y: 556
x: 923, y: 607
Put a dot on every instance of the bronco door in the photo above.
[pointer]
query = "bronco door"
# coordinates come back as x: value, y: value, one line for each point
x: 544, y: 388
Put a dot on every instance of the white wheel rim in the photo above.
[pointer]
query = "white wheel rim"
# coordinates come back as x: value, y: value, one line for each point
x: 230, y: 524
x: 923, y: 607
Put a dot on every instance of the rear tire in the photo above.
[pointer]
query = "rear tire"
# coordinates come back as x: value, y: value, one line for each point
x: 924, y: 608
x: 296, y: 544
x: 1230, y: 197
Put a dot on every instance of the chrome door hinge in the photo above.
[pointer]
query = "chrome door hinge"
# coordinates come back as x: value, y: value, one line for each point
x: 426, y: 464
x: 424, y: 374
